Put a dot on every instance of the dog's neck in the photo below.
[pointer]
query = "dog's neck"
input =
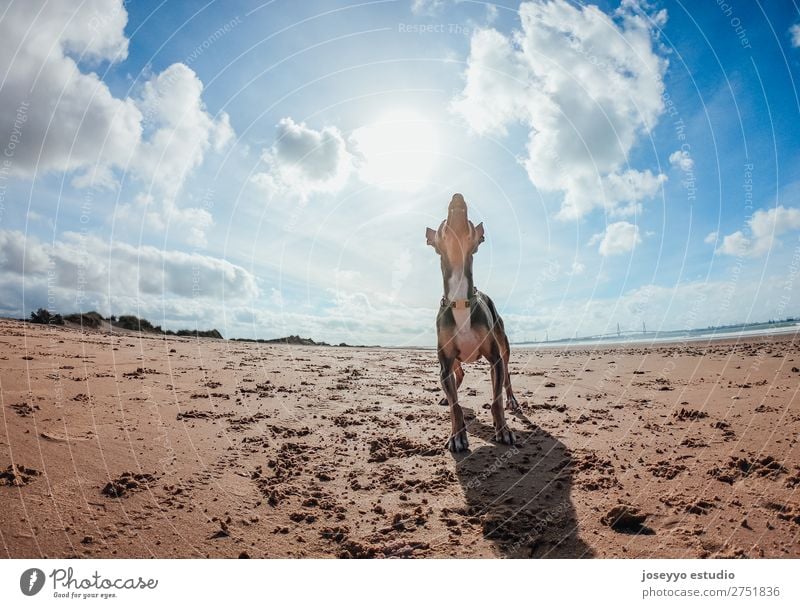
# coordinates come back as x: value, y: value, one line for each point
x: 458, y: 284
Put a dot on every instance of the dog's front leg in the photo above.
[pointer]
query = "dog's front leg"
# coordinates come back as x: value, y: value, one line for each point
x: 502, y: 434
x: 505, y: 350
x: 459, y: 372
x: 458, y: 441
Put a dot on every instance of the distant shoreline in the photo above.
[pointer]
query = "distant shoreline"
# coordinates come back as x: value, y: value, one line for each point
x: 732, y: 332
x: 671, y: 337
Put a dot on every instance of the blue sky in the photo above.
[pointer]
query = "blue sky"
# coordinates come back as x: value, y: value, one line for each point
x: 269, y: 168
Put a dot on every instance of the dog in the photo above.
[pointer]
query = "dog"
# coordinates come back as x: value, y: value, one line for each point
x: 467, y: 324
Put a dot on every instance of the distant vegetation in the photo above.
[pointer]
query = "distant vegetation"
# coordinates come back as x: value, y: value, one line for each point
x: 295, y: 340
x: 86, y: 319
x: 94, y: 320
x: 135, y: 324
x: 44, y: 317
x: 208, y: 333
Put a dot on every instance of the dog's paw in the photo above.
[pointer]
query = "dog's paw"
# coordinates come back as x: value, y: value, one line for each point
x: 512, y: 405
x: 458, y: 442
x: 505, y: 435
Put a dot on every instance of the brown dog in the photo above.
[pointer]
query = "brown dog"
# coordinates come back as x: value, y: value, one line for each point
x: 467, y: 324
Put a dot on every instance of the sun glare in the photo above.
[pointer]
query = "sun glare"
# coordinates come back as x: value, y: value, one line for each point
x: 398, y: 151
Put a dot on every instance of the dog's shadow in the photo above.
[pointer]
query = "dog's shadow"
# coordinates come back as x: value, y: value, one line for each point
x: 520, y: 495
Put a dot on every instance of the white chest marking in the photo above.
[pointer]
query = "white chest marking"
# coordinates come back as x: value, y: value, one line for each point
x: 466, y: 339
x: 457, y: 285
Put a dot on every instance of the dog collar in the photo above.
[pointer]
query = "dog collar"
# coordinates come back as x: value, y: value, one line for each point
x: 456, y: 304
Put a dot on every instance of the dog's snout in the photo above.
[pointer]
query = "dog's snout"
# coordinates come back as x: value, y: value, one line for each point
x: 457, y: 201
x: 457, y: 219
x: 457, y: 205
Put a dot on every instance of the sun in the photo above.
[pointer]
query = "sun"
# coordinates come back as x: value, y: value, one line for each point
x: 398, y: 151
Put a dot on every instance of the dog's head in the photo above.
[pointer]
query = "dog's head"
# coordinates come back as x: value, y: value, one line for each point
x: 457, y: 239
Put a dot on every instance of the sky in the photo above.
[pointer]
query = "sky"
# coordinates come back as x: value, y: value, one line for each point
x: 269, y: 168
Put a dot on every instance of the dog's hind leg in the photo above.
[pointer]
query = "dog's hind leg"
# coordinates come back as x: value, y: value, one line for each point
x: 459, y: 372
x: 458, y: 437
x: 502, y: 434
x: 511, y: 401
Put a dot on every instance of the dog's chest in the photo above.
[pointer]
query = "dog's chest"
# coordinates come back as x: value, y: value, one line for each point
x: 467, y: 340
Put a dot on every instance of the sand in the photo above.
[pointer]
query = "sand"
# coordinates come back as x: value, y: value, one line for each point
x: 130, y: 445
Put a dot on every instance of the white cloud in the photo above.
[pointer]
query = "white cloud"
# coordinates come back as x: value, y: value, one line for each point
x: 427, y: 7
x: 396, y: 152
x: 711, y: 237
x: 686, y: 305
x: 587, y: 85
x: 764, y: 226
x: 65, y: 119
x: 401, y: 269
x: 276, y: 298
x: 577, y: 268
x: 627, y: 189
x: 17, y: 257
x: 497, y: 87
x: 304, y: 161
x: 794, y: 32
x: 352, y: 318
x: 619, y: 237
x: 189, y: 224
x: 774, y: 222
x: 72, y: 121
x: 178, y: 129
x: 84, y: 263
x: 736, y: 244
x: 681, y: 159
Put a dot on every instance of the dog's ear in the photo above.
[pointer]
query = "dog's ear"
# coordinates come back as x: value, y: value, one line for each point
x: 430, y: 235
x: 478, y: 237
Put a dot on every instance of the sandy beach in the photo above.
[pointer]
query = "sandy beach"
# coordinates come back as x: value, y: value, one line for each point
x: 136, y: 445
